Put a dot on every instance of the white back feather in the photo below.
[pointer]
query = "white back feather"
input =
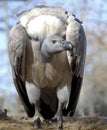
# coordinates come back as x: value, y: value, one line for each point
x: 43, y: 25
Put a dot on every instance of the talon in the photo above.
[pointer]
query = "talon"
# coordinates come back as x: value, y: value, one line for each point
x: 37, y: 123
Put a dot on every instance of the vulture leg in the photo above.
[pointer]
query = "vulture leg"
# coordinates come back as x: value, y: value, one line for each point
x: 59, y: 116
x: 38, y: 117
x: 63, y: 99
x: 34, y: 95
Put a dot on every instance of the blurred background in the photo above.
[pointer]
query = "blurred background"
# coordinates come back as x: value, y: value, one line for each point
x: 93, y: 97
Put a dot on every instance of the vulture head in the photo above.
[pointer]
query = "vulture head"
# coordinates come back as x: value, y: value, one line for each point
x: 53, y: 45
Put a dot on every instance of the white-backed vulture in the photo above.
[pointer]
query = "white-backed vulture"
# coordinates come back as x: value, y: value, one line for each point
x: 47, y: 51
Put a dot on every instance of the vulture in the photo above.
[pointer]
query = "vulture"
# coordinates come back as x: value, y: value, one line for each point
x: 47, y: 51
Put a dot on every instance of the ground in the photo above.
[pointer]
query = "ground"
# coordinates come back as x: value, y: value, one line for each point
x: 87, y: 123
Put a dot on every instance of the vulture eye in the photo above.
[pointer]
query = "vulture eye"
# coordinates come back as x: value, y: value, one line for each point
x: 53, y: 41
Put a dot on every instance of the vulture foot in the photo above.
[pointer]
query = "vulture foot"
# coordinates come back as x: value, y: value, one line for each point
x: 37, y: 123
x: 60, y: 122
x: 38, y: 120
x: 59, y: 117
x: 54, y: 119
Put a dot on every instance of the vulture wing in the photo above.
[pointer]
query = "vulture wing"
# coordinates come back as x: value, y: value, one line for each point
x: 75, y: 33
x: 17, y: 47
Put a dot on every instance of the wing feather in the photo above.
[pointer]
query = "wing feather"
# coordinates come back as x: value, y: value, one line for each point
x: 17, y: 47
x: 77, y: 36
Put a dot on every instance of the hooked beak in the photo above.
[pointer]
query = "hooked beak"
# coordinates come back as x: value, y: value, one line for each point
x: 67, y: 45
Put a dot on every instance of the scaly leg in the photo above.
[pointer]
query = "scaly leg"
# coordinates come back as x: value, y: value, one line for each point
x: 63, y: 99
x: 60, y: 116
x: 38, y: 117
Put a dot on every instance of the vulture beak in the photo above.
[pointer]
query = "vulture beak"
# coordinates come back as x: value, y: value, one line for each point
x: 67, y: 45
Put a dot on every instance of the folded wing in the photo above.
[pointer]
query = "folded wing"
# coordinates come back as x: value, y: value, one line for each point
x: 16, y: 48
x: 76, y: 35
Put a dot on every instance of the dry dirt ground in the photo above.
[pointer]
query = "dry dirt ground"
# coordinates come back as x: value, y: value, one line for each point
x: 87, y: 123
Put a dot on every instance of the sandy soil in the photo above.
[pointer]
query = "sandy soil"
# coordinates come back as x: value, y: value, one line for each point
x: 87, y: 123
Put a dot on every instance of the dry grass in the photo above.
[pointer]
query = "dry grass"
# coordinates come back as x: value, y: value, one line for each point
x: 69, y: 124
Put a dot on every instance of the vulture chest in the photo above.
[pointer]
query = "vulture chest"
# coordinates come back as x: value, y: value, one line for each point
x: 53, y: 74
